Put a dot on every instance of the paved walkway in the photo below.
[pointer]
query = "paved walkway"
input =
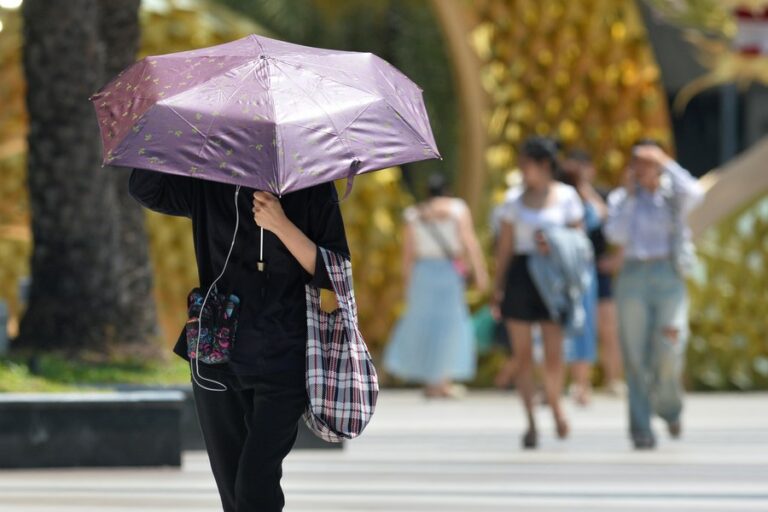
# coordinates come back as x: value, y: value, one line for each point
x: 464, y: 456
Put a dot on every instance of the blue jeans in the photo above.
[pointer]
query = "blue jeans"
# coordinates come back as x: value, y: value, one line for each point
x: 653, y: 325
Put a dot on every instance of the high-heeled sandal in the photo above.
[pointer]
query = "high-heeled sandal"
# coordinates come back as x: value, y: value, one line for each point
x: 530, y: 439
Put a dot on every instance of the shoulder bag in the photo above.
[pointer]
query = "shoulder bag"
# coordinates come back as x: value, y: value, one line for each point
x: 342, y: 385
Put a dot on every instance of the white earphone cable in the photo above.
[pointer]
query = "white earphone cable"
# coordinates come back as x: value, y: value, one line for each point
x: 196, y: 368
x: 261, y: 244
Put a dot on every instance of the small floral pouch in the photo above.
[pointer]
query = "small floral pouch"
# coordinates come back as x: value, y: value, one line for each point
x: 211, y: 335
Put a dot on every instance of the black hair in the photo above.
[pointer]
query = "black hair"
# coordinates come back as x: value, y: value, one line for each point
x: 543, y: 149
x: 579, y: 155
x: 437, y: 185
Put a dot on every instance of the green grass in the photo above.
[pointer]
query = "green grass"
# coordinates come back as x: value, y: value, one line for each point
x: 57, y: 373
x: 16, y: 377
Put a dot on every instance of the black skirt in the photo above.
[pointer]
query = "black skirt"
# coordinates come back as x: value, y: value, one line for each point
x: 522, y: 301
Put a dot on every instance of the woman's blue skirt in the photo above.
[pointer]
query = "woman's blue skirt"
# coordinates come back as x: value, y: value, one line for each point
x: 433, y: 340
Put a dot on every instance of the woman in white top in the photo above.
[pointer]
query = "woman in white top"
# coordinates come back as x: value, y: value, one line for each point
x: 433, y: 343
x: 539, y: 203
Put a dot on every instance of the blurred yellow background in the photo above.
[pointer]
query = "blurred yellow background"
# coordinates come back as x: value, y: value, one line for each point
x: 582, y: 70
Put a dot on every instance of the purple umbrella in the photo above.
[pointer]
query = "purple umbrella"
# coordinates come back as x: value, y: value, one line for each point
x: 263, y: 114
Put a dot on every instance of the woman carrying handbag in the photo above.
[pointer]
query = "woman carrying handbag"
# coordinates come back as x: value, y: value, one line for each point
x: 433, y: 343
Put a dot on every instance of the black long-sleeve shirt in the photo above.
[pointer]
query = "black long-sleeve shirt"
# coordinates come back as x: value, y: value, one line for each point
x: 272, y: 329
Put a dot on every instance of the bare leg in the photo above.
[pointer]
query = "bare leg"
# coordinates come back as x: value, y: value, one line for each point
x: 608, y: 330
x: 506, y: 374
x: 581, y: 372
x: 552, y: 336
x: 521, y: 333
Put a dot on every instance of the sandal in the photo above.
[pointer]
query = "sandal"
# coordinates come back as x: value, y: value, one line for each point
x: 530, y: 439
x: 562, y: 428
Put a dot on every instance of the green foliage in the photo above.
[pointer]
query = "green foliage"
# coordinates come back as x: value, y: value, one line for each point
x: 418, y: 49
x: 728, y: 348
x: 404, y: 32
x: 16, y: 377
x: 56, y: 373
x: 488, y: 365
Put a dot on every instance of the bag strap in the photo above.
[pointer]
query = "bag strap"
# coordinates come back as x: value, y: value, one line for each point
x: 439, y: 239
x: 340, y: 274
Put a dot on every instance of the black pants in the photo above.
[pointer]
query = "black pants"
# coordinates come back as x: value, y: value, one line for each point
x: 248, y: 431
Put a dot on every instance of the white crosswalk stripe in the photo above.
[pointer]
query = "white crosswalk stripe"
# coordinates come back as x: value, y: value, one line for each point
x: 464, y: 456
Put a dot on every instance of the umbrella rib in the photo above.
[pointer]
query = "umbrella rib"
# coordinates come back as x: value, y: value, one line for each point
x: 261, y: 46
x: 310, y: 128
x: 143, y: 70
x: 330, y: 119
x: 252, y: 71
x: 194, y: 128
x: 309, y: 67
x: 358, y: 116
x: 419, y: 137
x: 386, y: 79
x: 206, y: 135
x: 276, y: 165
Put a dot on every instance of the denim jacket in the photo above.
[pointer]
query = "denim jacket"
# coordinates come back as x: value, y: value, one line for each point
x: 563, y: 275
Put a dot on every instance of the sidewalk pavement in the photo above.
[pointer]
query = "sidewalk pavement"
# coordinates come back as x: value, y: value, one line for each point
x: 464, y: 456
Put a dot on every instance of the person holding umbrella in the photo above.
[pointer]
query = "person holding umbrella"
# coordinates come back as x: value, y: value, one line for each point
x: 261, y: 126
x: 251, y: 426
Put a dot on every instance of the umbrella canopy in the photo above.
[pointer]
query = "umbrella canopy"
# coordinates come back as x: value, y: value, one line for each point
x: 264, y: 114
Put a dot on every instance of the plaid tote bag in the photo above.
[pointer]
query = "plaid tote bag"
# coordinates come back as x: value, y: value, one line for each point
x: 341, y: 379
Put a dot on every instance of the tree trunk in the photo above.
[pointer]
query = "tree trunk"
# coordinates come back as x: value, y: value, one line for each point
x: 135, y: 318
x: 85, y: 265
